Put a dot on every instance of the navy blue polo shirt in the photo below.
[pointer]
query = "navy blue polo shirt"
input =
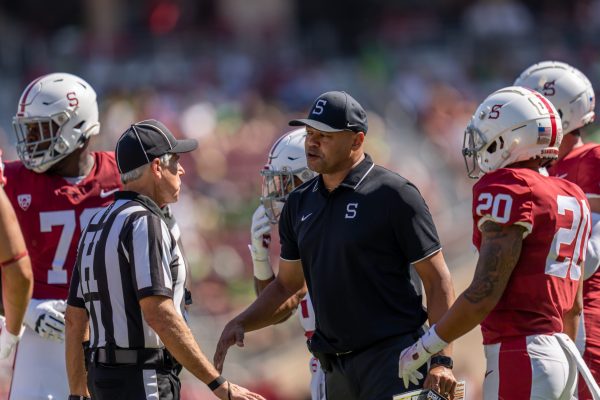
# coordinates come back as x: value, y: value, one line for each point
x: 356, y: 245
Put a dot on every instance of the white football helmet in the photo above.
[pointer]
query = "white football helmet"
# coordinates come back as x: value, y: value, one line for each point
x: 56, y: 115
x: 513, y: 124
x: 285, y: 170
x: 566, y: 87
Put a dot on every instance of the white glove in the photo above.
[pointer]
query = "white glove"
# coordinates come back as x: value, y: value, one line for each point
x: 416, y: 355
x: 7, y: 339
x: 260, y: 235
x: 47, y: 318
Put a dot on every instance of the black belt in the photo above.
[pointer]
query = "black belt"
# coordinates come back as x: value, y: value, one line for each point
x: 326, y: 358
x: 153, y: 358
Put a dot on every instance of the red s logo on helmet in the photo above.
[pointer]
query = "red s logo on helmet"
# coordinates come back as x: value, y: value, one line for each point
x: 72, y: 97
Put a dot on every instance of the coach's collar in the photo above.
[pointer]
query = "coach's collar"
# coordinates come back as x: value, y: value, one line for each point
x: 145, y: 201
x: 358, y: 173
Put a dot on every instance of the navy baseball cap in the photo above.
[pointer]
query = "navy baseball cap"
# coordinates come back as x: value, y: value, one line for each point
x: 144, y: 141
x: 335, y: 112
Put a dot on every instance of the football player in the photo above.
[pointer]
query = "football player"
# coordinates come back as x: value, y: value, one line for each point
x: 285, y: 170
x: 572, y: 95
x: 531, y: 231
x: 17, y: 278
x: 55, y: 189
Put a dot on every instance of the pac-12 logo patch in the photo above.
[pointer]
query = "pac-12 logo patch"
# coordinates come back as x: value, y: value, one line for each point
x: 24, y: 201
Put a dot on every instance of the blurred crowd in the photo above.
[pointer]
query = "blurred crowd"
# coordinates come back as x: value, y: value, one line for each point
x: 231, y: 73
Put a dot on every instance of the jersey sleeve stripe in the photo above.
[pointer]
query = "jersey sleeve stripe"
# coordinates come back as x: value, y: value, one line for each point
x: 528, y: 227
x: 427, y: 256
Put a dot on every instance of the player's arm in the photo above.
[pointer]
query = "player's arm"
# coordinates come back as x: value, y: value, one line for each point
x: 592, y: 258
x: 260, y: 238
x: 77, y: 332
x: 571, y: 317
x: 17, y: 277
x: 439, y: 291
x: 279, y: 298
x: 498, y: 255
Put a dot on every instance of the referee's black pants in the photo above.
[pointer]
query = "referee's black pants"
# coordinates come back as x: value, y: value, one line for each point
x: 132, y: 382
x: 371, y: 373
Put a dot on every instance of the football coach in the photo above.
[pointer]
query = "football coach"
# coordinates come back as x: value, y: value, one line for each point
x: 351, y: 234
x: 127, y: 291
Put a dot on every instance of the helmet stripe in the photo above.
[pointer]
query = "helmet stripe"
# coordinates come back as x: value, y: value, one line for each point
x: 25, y: 94
x: 552, y: 117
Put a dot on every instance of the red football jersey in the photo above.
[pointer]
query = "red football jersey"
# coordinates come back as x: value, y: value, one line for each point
x: 544, y: 282
x: 581, y: 167
x: 52, y: 213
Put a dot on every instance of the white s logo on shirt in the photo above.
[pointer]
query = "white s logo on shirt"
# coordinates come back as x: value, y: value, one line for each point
x: 351, y: 210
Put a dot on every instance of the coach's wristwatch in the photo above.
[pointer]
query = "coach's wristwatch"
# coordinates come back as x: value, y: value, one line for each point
x: 78, y: 397
x: 444, y: 361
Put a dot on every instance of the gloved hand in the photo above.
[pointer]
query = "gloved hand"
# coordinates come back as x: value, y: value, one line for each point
x: 416, y: 355
x: 7, y: 339
x: 260, y: 236
x: 47, y: 318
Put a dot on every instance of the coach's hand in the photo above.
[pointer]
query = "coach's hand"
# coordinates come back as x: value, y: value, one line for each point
x: 416, y: 355
x: 233, y: 333
x: 7, y: 339
x: 441, y: 380
x: 47, y: 318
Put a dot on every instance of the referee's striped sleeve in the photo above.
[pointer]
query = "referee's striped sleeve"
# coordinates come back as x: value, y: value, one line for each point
x: 75, y: 298
x: 149, y: 256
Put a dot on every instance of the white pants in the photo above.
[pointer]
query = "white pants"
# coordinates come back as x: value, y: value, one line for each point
x: 317, y: 380
x: 532, y: 367
x: 39, y: 371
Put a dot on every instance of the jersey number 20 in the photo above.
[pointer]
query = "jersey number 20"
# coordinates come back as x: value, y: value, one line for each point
x: 566, y: 251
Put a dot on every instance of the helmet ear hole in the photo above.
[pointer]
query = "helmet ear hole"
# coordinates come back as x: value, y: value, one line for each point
x: 492, y: 148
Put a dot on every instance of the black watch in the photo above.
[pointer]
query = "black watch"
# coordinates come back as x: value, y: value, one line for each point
x: 444, y: 361
x: 78, y: 397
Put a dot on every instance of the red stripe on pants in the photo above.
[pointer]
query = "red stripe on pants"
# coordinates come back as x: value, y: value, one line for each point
x: 515, y: 370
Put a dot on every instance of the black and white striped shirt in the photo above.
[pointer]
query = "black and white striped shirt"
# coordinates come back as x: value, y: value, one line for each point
x: 126, y: 253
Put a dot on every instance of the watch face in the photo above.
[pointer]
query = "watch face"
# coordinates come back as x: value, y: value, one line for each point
x: 443, y: 361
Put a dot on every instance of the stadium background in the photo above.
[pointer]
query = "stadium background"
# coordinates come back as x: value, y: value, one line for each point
x: 231, y: 73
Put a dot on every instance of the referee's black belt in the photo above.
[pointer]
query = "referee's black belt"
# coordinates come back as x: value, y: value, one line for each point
x: 152, y: 358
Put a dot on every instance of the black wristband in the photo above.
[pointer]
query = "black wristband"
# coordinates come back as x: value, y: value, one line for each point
x: 218, y: 381
x: 78, y: 397
x: 444, y: 361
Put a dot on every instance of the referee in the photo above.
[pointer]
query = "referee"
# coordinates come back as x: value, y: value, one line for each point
x: 351, y: 234
x: 127, y: 298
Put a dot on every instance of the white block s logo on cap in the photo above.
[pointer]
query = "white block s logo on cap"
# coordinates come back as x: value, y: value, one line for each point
x: 318, y: 108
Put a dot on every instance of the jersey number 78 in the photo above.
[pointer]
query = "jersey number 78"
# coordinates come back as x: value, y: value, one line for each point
x: 51, y: 219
